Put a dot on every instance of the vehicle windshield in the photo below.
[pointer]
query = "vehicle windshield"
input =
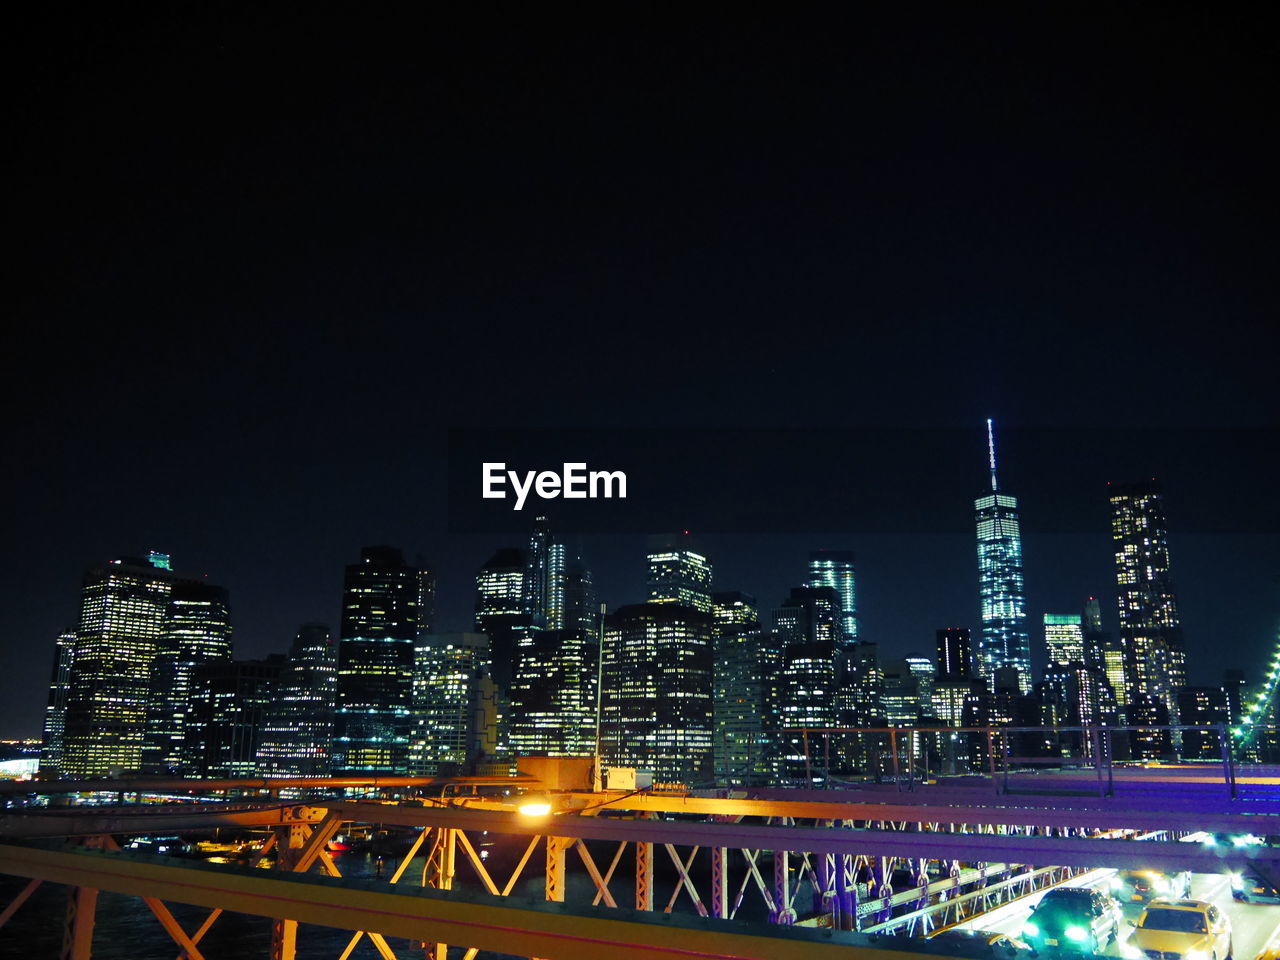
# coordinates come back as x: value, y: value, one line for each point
x: 1176, y: 921
x: 1061, y: 910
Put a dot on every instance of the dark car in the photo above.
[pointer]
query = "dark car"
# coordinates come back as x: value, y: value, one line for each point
x: 1143, y: 886
x: 1251, y: 888
x: 999, y: 944
x: 1078, y: 919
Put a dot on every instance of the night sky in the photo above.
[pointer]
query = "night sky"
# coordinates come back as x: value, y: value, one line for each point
x: 265, y: 265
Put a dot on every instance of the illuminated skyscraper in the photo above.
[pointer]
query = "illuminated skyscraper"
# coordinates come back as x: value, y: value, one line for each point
x: 1150, y: 630
x: 923, y: 670
x: 745, y: 660
x: 297, y: 737
x: 658, y: 690
x: 680, y: 574
x: 811, y: 688
x: 122, y: 621
x: 553, y: 693
x: 56, y: 707
x: 538, y: 580
x: 955, y: 654
x: 197, y: 630
x: 455, y: 700
x: 502, y: 613
x: 1063, y: 638
x: 1004, y: 641
x: 834, y: 568
x: 383, y: 613
x: 900, y: 699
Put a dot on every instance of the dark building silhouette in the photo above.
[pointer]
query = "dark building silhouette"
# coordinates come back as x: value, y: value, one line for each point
x: 955, y: 654
x: 56, y: 706
x: 229, y: 711
x: 1207, y: 706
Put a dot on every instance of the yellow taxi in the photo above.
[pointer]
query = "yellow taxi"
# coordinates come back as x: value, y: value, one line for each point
x: 1182, y: 930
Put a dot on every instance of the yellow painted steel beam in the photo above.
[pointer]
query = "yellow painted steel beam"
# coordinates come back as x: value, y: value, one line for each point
x: 84, y: 822
x: 191, y: 785
x: 488, y: 923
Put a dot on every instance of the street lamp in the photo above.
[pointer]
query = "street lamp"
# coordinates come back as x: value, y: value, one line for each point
x: 534, y: 805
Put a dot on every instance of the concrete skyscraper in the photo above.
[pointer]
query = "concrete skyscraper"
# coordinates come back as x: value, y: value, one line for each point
x: 384, y: 606
x: 1004, y: 641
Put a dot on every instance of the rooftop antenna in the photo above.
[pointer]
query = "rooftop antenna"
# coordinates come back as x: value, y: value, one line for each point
x: 991, y: 453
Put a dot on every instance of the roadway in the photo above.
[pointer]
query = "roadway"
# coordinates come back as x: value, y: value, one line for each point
x: 1253, y: 924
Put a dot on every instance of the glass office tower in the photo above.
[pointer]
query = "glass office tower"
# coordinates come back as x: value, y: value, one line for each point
x: 834, y: 569
x: 383, y: 615
x: 1004, y: 641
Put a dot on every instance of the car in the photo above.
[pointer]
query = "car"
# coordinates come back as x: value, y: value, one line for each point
x: 1231, y: 840
x: 1000, y: 944
x: 1183, y: 929
x: 1250, y: 888
x: 1141, y: 886
x: 1080, y: 919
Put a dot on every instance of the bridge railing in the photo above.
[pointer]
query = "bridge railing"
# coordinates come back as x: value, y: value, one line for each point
x: 1068, y: 760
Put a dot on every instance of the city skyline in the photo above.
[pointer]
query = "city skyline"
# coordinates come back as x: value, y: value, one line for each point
x: 532, y: 596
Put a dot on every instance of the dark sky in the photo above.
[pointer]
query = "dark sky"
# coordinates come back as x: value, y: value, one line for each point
x: 265, y: 264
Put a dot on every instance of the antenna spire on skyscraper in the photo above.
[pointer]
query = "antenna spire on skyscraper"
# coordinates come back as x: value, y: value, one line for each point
x: 991, y: 453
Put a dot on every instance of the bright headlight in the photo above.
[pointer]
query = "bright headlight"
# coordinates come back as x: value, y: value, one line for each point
x: 1197, y: 955
x: 1076, y: 933
x: 1162, y: 884
x: 1237, y: 882
x: 1116, y: 883
x: 1030, y: 930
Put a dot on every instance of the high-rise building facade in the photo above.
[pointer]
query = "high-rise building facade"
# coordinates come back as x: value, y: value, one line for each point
x: 955, y: 654
x: 456, y: 703
x: 1004, y: 641
x: 680, y: 574
x: 122, y: 620
x: 658, y: 680
x: 834, y: 569
x: 56, y: 707
x: 197, y: 630
x: 744, y: 714
x: 230, y: 700
x: 1208, y: 709
x: 502, y: 611
x: 926, y: 673
x: 1064, y: 638
x: 900, y: 698
x: 297, y: 735
x: 383, y: 615
x: 552, y: 697
x: 811, y: 687
x: 1150, y: 629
